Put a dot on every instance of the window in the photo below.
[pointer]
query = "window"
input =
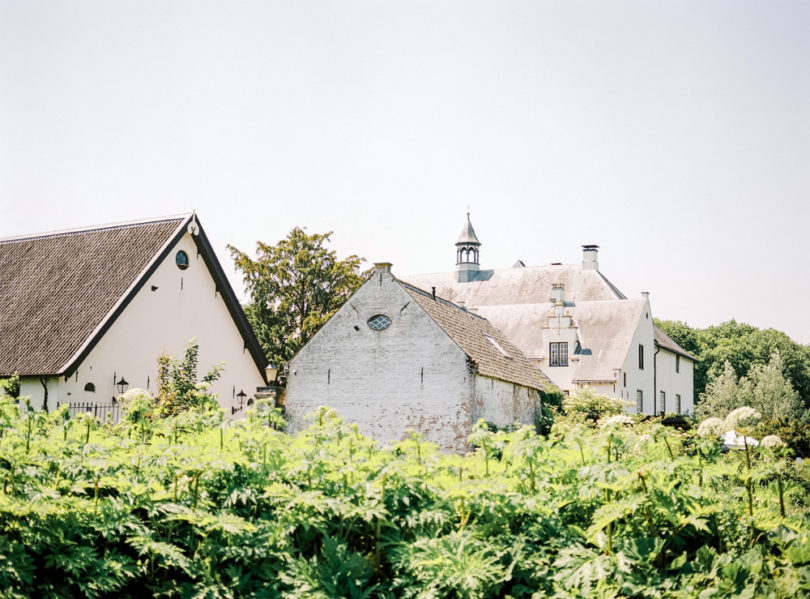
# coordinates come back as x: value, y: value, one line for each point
x: 90, y: 387
x: 678, y: 402
x: 639, y: 401
x: 379, y: 322
x: 662, y: 406
x: 559, y: 354
x: 640, y: 357
x: 624, y: 375
x: 677, y: 364
x: 181, y: 259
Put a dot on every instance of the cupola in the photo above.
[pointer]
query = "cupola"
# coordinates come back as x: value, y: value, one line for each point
x: 467, y: 264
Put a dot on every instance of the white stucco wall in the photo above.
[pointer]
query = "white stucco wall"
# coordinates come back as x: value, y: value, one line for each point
x: 184, y: 306
x: 504, y: 403
x: 675, y: 383
x: 411, y: 375
x: 638, y: 378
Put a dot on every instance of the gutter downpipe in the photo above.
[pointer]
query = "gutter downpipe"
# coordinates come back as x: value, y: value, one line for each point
x: 655, y: 378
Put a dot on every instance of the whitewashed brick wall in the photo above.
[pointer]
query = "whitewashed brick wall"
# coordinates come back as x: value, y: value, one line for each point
x: 410, y: 375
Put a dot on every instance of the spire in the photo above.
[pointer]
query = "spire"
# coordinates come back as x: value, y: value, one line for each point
x: 468, y: 236
x: 467, y: 265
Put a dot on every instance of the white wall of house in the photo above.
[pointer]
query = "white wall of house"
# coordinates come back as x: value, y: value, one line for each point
x: 411, y: 375
x: 638, y: 379
x: 184, y: 306
x: 674, y: 378
x: 504, y: 403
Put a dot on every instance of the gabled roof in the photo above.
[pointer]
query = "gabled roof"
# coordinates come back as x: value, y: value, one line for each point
x: 666, y: 342
x: 61, y: 291
x: 491, y: 351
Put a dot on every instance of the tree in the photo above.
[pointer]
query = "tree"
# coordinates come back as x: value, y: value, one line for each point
x: 177, y: 386
x: 744, y: 347
x: 765, y: 388
x: 724, y: 393
x: 295, y: 286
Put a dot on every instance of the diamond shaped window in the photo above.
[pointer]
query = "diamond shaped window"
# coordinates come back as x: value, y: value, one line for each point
x: 379, y: 322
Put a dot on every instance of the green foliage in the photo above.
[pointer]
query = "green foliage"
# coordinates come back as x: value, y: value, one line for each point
x: 744, y: 347
x: 589, y: 407
x: 202, y: 508
x: 177, y: 387
x: 768, y: 391
x: 10, y: 386
x: 294, y: 287
x: 551, y: 402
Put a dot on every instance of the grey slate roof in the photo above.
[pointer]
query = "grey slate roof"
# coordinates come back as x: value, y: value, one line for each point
x: 59, y: 291
x: 666, y: 342
x: 517, y: 301
x: 470, y: 332
x: 522, y: 285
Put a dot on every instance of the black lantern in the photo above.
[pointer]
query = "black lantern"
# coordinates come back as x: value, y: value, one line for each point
x: 241, y: 395
x: 122, y: 385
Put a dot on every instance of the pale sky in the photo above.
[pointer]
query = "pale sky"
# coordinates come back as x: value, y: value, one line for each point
x: 676, y: 135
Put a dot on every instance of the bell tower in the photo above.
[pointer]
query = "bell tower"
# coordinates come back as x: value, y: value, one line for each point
x: 467, y: 264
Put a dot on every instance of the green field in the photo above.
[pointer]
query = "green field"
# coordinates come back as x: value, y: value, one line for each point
x: 192, y: 506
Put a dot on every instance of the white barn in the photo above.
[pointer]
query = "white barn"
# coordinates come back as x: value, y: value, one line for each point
x: 84, y: 311
x: 572, y: 322
x: 395, y: 357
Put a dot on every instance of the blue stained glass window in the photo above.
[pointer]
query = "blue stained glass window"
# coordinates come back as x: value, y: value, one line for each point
x: 379, y: 322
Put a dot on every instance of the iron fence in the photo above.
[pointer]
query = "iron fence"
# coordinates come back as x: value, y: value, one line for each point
x: 103, y: 412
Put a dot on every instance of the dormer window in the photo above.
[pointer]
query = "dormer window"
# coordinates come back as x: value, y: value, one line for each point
x: 181, y: 259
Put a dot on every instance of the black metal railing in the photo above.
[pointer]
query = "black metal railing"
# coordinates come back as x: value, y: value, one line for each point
x: 103, y: 412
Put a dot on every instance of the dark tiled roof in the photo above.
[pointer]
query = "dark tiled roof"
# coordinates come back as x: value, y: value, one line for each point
x: 666, y: 342
x: 56, y: 288
x: 470, y: 332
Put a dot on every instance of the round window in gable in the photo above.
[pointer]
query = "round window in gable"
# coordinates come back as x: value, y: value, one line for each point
x: 90, y: 387
x: 379, y: 322
x: 181, y: 259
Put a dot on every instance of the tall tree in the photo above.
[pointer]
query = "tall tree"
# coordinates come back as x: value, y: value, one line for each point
x: 294, y: 287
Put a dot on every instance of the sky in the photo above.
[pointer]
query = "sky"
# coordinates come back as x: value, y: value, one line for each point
x: 675, y: 135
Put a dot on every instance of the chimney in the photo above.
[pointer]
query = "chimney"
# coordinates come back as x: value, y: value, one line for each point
x: 645, y: 294
x: 380, y: 267
x: 589, y: 257
x: 557, y: 293
x: 433, y: 292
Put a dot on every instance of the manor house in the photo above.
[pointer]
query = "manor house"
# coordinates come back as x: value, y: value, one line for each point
x: 574, y: 324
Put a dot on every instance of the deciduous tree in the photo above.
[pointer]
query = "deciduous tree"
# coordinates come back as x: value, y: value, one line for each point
x: 294, y: 287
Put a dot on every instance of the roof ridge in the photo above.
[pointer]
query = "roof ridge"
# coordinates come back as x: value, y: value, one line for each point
x: 94, y: 228
x: 438, y: 299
